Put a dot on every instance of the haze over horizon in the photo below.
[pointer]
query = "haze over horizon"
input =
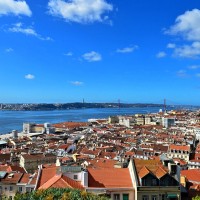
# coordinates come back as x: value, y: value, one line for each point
x: 57, y: 51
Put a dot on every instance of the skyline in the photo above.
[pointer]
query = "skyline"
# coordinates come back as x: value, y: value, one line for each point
x: 58, y: 51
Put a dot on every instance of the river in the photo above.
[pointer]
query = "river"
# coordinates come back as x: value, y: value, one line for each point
x: 13, y: 120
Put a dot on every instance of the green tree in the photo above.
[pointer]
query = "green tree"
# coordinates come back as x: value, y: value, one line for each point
x: 59, y: 194
x: 196, y: 198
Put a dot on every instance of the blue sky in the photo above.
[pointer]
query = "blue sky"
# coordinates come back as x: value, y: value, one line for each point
x: 57, y: 51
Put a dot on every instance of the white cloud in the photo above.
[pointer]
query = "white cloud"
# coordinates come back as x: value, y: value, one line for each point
x: 68, y: 54
x: 8, y: 50
x: 76, y: 83
x: 198, y: 75
x: 182, y: 73
x: 187, y: 25
x: 16, y: 7
x: 19, y: 28
x: 29, y: 76
x: 188, y: 51
x: 80, y: 11
x: 161, y: 54
x: 171, y: 46
x: 194, y: 67
x: 127, y: 49
x: 92, y: 56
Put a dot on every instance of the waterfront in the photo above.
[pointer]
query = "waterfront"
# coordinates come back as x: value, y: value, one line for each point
x: 13, y: 120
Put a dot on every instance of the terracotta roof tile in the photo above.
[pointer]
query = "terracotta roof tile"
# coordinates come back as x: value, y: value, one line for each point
x: 70, y: 125
x: 109, y: 178
x: 143, y: 172
x: 160, y: 172
x: 12, y: 178
x: 143, y: 167
x: 46, y: 174
x: 101, y: 163
x: 61, y: 181
x: 192, y: 175
x: 34, y: 179
x: 25, y: 178
x: 179, y: 147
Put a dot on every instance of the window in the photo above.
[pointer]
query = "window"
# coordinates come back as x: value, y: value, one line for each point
x: 125, y: 196
x: 11, y: 188
x: 154, y: 197
x: 154, y: 182
x: 116, y: 196
x: 20, y: 189
x: 75, y: 177
x: 145, y: 197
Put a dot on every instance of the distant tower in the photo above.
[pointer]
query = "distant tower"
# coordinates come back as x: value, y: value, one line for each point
x: 119, y: 103
x: 83, y: 103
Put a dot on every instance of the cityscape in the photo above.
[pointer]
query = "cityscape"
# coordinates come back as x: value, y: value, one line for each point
x: 99, y: 100
x: 138, y: 156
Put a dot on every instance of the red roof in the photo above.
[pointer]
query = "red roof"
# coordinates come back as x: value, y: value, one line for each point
x: 70, y: 125
x: 109, y: 178
x: 61, y: 181
x: 192, y: 175
x: 46, y: 174
x: 179, y: 147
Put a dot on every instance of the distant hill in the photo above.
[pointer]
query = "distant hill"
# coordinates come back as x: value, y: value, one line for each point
x: 76, y: 105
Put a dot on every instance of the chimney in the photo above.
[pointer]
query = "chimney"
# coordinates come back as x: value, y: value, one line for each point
x: 84, y: 178
x: 58, y: 163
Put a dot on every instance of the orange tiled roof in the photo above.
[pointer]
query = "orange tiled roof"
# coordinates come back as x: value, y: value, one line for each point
x: 179, y: 147
x: 160, y: 172
x: 192, y: 175
x: 60, y: 181
x: 17, y: 169
x: 101, y: 163
x: 34, y: 179
x: 143, y: 167
x: 63, y: 146
x: 25, y: 178
x: 109, y: 178
x: 180, y: 161
x: 70, y: 124
x: 5, y: 168
x: 143, y: 172
x: 46, y: 174
x: 12, y: 179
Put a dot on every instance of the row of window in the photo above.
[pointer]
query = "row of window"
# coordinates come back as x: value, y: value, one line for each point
x: 20, y: 189
x: 179, y: 151
x: 153, y: 197
x: 124, y: 197
x: 179, y: 156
